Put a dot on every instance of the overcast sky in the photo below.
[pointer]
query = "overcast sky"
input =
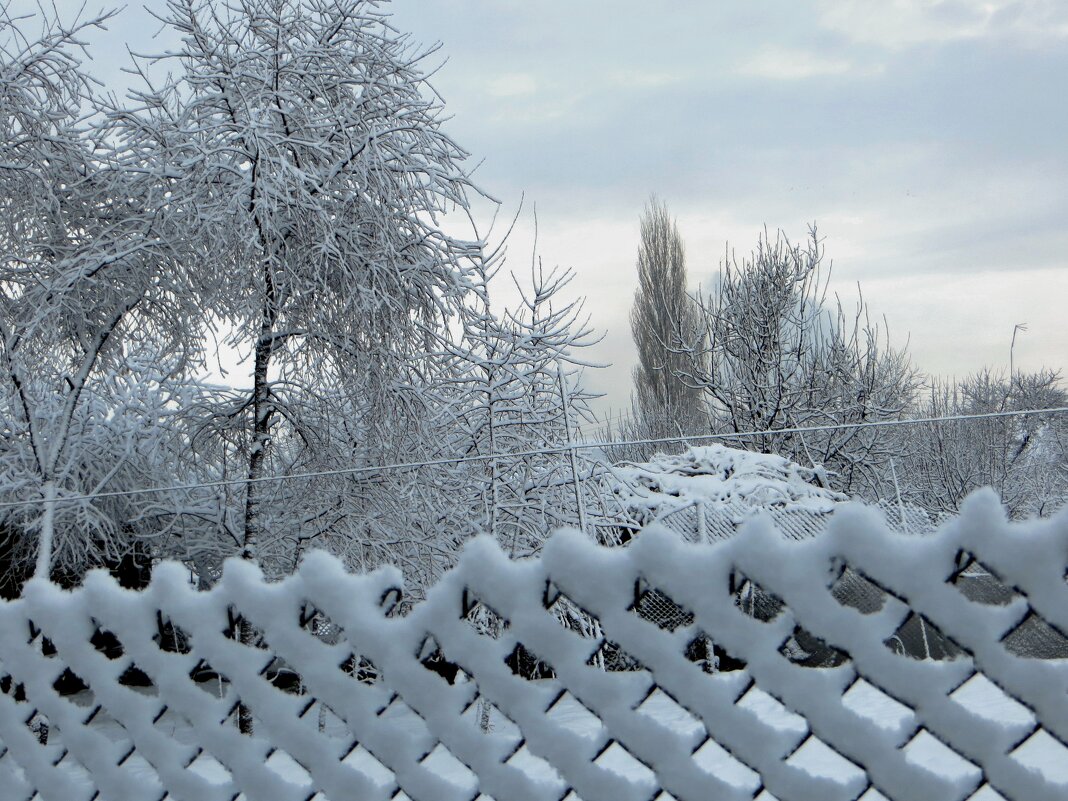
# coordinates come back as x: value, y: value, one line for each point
x: 928, y: 140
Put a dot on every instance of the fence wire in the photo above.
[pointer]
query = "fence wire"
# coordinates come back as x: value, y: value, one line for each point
x: 561, y: 449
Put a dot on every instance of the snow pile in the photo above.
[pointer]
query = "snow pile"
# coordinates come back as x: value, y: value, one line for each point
x: 735, y: 477
x: 708, y: 492
x: 880, y: 725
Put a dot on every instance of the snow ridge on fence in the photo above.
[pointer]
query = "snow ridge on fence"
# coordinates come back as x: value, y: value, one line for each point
x: 153, y: 734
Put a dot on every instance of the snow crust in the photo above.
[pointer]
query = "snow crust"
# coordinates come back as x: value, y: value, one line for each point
x: 987, y: 724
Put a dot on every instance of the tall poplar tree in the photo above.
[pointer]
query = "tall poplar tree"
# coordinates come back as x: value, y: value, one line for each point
x: 664, y: 322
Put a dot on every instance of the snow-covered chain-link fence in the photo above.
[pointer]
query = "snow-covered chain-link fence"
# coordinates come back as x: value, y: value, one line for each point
x: 372, y: 717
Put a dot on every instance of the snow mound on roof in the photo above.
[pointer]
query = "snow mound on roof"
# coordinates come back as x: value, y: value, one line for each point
x: 733, y: 477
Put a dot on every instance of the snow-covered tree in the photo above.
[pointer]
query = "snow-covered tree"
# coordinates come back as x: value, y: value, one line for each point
x: 521, y: 397
x: 304, y: 157
x: 90, y: 296
x: 775, y: 354
x: 1024, y: 458
x: 284, y: 192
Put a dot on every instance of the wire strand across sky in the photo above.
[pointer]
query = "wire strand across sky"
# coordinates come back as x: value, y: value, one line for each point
x: 554, y: 449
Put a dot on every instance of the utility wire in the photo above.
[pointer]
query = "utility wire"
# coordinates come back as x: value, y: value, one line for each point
x: 555, y: 449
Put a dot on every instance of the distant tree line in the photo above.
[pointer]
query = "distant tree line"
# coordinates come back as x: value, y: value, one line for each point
x: 766, y: 349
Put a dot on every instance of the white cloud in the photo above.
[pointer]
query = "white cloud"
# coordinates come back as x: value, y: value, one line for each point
x: 513, y: 84
x: 897, y: 24
x: 781, y: 64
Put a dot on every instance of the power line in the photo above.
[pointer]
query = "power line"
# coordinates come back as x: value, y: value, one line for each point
x: 554, y: 449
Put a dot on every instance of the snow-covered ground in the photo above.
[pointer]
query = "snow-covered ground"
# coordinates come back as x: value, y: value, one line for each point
x: 1040, y: 752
